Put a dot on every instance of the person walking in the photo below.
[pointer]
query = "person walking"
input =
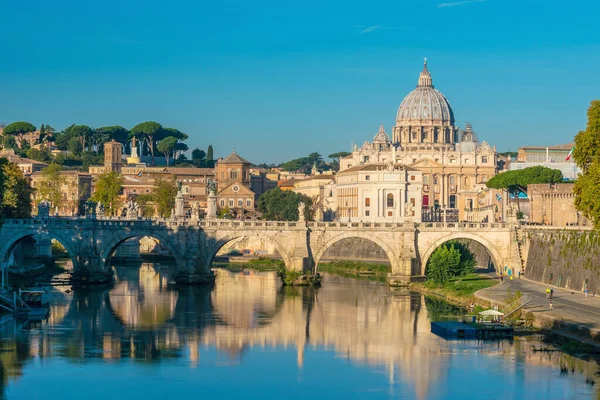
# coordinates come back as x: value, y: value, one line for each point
x: 519, y: 274
x: 586, y: 291
x: 550, y: 303
x: 510, y: 278
x: 547, y: 293
x: 551, y: 292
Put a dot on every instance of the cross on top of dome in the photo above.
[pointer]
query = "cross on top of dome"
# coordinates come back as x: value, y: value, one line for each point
x: 425, y: 77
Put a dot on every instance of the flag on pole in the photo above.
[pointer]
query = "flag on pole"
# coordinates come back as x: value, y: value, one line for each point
x: 570, y: 154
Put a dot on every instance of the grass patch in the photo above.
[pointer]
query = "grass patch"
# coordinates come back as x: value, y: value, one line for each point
x: 258, y: 264
x: 354, y: 268
x: 459, y: 288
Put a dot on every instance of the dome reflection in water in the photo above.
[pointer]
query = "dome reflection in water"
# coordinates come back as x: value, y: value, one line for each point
x: 249, y: 336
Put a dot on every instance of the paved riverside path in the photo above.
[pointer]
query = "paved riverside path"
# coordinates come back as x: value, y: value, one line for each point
x: 569, y: 307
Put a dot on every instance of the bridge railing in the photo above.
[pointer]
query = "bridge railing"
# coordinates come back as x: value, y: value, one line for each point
x: 462, y: 225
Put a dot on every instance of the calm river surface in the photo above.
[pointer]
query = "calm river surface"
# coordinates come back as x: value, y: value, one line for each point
x: 250, y: 338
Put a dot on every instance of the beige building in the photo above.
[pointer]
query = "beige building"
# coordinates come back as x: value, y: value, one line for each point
x: 76, y: 189
x: 378, y: 192
x: 554, y: 204
x: 26, y: 165
x: 321, y: 189
x: 454, y: 164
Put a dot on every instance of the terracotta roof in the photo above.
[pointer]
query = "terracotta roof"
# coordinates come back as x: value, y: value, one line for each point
x: 13, y: 158
x: 72, y: 173
x: 314, y: 177
x: 233, y: 158
x: 288, y: 183
x: 190, y: 171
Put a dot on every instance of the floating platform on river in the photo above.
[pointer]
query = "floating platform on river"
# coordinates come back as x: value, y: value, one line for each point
x: 456, y: 330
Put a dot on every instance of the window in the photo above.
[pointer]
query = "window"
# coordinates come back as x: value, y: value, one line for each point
x: 222, y: 174
x: 412, y: 177
x: 484, y: 159
x: 390, y: 200
x: 452, y: 201
x: 230, y: 202
x: 367, y: 202
x: 452, y: 180
x: 436, y: 180
x: 425, y: 179
x: 222, y: 203
x: 367, y: 213
x: 240, y: 203
x: 367, y: 177
x: 414, y: 160
x: 233, y: 174
x: 414, y: 135
x: 366, y: 159
x: 390, y: 214
x: 484, y: 178
x: 248, y: 203
x: 425, y: 202
x: 466, y: 181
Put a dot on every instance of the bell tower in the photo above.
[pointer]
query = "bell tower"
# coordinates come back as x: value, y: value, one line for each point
x: 113, y: 152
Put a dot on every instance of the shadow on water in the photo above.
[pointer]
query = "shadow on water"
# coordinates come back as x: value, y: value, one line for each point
x: 141, y: 319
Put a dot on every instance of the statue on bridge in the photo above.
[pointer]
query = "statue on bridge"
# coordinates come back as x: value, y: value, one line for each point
x: 99, y: 209
x: 408, y: 211
x: 43, y: 209
x: 301, y: 211
x: 195, y: 210
x: 132, y: 209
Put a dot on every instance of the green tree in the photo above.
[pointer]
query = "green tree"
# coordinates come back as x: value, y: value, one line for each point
x: 198, y: 157
x: 515, y: 182
x: 280, y: 205
x: 587, y: 156
x: 339, y: 154
x: 50, y: 186
x: 438, y: 266
x: 109, y: 188
x: 150, y: 132
x: 166, y: 146
x: 9, y: 142
x: 116, y: 132
x: 84, y: 133
x: 19, y: 129
x: 146, y: 203
x: 74, y: 146
x: 210, y: 163
x: 164, y: 194
x: 42, y: 154
x: 16, y: 192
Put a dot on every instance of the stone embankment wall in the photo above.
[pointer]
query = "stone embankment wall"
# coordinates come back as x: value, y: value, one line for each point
x: 565, y: 258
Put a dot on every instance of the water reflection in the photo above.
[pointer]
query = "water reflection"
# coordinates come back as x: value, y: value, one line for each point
x: 387, y: 333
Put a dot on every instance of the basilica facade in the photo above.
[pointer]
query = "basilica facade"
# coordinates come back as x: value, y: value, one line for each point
x: 452, y: 166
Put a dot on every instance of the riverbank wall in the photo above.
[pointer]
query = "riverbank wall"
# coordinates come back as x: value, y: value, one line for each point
x: 566, y: 258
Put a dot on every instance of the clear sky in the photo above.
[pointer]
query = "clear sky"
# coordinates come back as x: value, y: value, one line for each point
x: 279, y: 79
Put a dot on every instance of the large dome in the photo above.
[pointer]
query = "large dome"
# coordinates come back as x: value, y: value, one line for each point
x: 425, y: 104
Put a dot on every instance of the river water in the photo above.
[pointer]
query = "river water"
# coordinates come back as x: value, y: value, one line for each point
x: 250, y: 338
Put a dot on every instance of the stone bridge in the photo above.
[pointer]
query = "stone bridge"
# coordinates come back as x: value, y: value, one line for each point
x: 91, y: 242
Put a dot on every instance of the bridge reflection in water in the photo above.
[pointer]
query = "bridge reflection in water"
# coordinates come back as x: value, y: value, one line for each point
x: 140, y: 318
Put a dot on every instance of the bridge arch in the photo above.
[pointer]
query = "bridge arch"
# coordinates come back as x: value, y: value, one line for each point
x: 216, y: 245
x: 9, y: 245
x: 392, y: 257
x: 109, y: 248
x: 488, y: 245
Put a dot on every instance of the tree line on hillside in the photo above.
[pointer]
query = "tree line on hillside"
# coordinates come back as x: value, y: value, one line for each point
x: 84, y: 145
x: 304, y: 165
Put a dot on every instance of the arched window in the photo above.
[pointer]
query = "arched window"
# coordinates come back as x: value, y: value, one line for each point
x: 466, y: 181
x: 390, y: 200
x: 435, y: 180
x: 452, y: 180
x: 425, y: 179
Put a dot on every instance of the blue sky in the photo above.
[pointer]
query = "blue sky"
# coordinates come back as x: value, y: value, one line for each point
x: 280, y: 79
